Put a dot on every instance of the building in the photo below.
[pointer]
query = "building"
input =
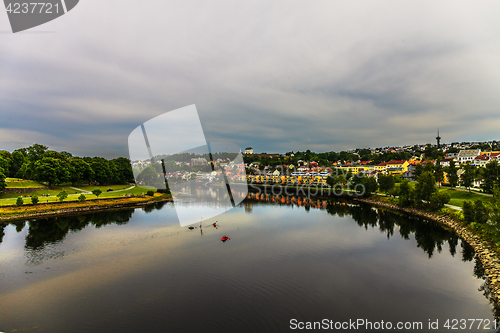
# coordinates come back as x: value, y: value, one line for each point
x: 438, y: 139
x: 467, y: 155
x: 249, y: 150
x: 199, y: 161
x: 480, y: 160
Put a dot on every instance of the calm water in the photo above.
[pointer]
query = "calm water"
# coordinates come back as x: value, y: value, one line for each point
x: 139, y: 271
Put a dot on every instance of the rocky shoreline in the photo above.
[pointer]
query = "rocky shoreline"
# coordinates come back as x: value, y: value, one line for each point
x: 488, y: 258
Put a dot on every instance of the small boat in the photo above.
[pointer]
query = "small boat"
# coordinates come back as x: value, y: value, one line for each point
x: 224, y: 238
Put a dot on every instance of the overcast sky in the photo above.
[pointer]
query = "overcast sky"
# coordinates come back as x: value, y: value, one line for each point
x: 274, y: 75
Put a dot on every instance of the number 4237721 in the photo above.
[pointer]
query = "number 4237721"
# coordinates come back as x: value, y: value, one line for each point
x: 33, y: 8
x: 462, y: 324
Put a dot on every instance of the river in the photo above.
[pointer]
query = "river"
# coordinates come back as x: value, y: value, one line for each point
x: 289, y: 262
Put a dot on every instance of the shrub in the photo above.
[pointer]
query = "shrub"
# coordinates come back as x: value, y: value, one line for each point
x: 439, y: 199
x: 34, y: 200
x: 62, y: 195
x: 481, y: 213
x: 150, y: 193
x: 468, y: 211
x: 19, y: 201
x: 97, y: 192
x: 81, y: 197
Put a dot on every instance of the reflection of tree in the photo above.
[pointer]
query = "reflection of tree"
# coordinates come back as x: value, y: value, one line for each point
x: 42, y: 232
x: 429, y: 235
x: 2, y: 232
x: 467, y: 252
x: 480, y: 273
x: 452, y: 243
x: 19, y: 225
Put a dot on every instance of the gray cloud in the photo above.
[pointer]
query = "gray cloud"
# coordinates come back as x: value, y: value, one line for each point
x: 278, y: 76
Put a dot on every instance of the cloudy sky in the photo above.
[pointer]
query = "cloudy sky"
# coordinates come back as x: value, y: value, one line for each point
x: 274, y: 75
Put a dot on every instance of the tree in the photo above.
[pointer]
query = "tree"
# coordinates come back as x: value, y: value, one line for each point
x: 81, y: 197
x: 124, y: 174
x: 4, y: 164
x: 102, y: 172
x: 468, y: 212
x: 34, y: 153
x: 491, y: 176
x: 419, y: 169
x: 19, y: 201
x: 3, y: 185
x: 425, y: 186
x: 334, y: 181
x: 80, y: 171
x: 452, y: 174
x: 17, y: 161
x: 34, y: 200
x: 62, y: 195
x: 429, y: 167
x: 481, y: 212
x: 439, y: 199
x: 467, y: 176
x: 97, y: 192
x: 51, y: 170
x: 494, y: 206
x: 357, y: 183
x: 148, y: 176
x: 371, y: 185
x: 385, y: 182
x: 406, y: 194
x: 438, y: 172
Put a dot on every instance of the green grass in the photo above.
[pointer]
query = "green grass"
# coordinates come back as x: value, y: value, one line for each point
x: 10, y: 198
x: 103, y: 188
x: 19, y: 183
x: 458, y: 197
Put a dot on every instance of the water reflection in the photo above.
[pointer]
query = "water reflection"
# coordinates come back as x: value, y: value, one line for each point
x: 429, y: 235
x: 298, y: 259
x: 48, y: 231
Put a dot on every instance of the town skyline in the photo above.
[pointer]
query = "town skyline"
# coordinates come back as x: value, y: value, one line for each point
x: 277, y: 76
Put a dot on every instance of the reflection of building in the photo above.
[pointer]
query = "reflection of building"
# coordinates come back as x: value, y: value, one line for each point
x: 248, y: 206
x: 249, y: 150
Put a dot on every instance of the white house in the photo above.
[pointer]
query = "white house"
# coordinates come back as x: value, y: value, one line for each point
x: 467, y: 155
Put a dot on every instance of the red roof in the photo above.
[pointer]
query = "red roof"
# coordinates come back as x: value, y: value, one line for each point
x: 395, y: 162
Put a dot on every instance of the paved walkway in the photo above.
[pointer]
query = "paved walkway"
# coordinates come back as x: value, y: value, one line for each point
x: 87, y: 192
x: 453, y: 207
x: 78, y: 189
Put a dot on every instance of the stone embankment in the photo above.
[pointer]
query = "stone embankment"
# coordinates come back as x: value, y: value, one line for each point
x: 487, y: 257
x: 82, y: 209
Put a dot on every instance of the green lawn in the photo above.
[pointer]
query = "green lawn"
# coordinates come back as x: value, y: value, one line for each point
x: 19, y: 183
x: 458, y: 197
x: 10, y: 198
x: 103, y: 188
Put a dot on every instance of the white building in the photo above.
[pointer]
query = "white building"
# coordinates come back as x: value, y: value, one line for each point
x: 467, y: 155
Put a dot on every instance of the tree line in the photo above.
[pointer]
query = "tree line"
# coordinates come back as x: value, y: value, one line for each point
x: 37, y: 162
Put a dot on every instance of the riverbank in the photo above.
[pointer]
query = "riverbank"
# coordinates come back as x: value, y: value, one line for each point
x: 13, y: 213
x: 487, y: 256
